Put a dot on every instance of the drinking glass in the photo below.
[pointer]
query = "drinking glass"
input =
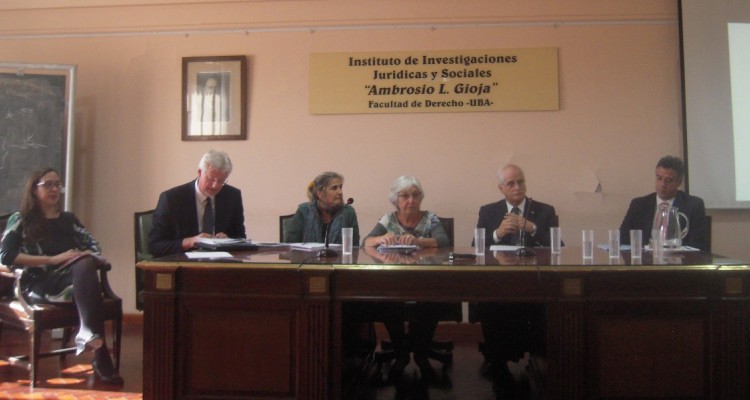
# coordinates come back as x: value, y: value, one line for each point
x: 347, y: 240
x: 555, y: 240
x: 614, y: 243
x: 588, y: 243
x: 636, y: 243
x: 479, y: 241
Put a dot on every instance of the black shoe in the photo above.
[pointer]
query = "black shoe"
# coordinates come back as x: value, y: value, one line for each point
x: 425, y: 368
x: 503, y: 383
x: 397, y: 369
x: 91, y: 343
x: 112, y: 377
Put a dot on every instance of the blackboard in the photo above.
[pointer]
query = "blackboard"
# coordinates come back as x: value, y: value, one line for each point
x: 33, y: 130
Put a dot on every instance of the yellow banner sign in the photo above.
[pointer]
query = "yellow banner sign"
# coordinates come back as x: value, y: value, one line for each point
x: 434, y: 81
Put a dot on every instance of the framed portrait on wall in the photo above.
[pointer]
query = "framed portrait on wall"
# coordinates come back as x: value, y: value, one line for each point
x: 36, y: 127
x: 214, y: 90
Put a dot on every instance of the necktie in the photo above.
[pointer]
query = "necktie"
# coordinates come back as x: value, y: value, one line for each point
x: 208, y: 217
x: 516, y: 237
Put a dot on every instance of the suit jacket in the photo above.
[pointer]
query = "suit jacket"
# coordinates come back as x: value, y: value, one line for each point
x: 541, y: 214
x: 641, y: 213
x: 176, y: 217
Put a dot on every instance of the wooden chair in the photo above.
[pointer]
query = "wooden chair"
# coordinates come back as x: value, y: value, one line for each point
x: 142, y: 223
x: 37, y: 318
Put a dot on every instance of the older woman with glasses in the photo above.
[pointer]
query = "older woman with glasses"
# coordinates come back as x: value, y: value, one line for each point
x: 60, y: 259
x: 409, y: 225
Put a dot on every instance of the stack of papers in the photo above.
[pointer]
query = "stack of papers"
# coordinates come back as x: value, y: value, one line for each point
x: 400, y: 248
x: 272, y: 244
x: 675, y: 249
x: 308, y: 246
x: 504, y: 247
x: 212, y: 255
x: 225, y: 244
x: 217, y: 241
x: 626, y: 247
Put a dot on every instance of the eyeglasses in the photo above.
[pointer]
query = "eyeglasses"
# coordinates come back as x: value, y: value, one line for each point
x: 215, y: 181
x: 518, y: 183
x: 49, y: 185
x: 406, y: 196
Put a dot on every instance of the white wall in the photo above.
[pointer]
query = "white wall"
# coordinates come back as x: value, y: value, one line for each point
x: 619, y: 88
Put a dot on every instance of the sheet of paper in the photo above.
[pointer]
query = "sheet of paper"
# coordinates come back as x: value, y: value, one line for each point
x: 398, y: 247
x: 308, y: 246
x: 674, y: 250
x: 272, y: 244
x: 605, y: 247
x: 221, y: 240
x: 503, y: 247
x: 208, y: 254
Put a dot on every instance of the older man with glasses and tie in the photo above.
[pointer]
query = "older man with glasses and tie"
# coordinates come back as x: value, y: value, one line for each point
x: 204, y: 207
x: 511, y: 329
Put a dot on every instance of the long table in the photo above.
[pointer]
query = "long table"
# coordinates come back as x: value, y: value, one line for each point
x: 267, y: 323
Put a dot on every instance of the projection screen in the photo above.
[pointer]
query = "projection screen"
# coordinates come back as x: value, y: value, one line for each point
x: 716, y: 78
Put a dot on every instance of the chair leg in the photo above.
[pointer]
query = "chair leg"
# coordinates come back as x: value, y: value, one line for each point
x: 35, y: 348
x: 117, y: 341
x: 67, y: 335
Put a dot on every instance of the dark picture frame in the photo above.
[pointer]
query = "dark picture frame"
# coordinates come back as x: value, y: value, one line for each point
x: 214, y: 93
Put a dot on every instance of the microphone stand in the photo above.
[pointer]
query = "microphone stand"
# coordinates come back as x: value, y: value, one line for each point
x: 326, y: 252
x: 525, y: 251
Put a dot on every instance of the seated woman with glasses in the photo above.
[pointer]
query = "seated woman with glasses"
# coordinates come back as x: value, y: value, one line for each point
x: 409, y: 225
x: 60, y: 259
x: 324, y: 215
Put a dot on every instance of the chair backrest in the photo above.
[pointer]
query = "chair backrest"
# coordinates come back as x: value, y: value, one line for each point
x: 3, y: 222
x: 143, y: 221
x: 708, y: 233
x: 448, y: 226
x: 284, y: 223
x: 6, y: 275
x: 7, y: 278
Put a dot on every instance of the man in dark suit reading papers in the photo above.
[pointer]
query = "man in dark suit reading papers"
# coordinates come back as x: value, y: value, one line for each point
x: 203, y: 208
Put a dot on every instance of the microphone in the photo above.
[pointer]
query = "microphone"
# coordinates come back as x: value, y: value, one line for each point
x: 349, y: 201
x: 525, y: 251
x: 326, y: 252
